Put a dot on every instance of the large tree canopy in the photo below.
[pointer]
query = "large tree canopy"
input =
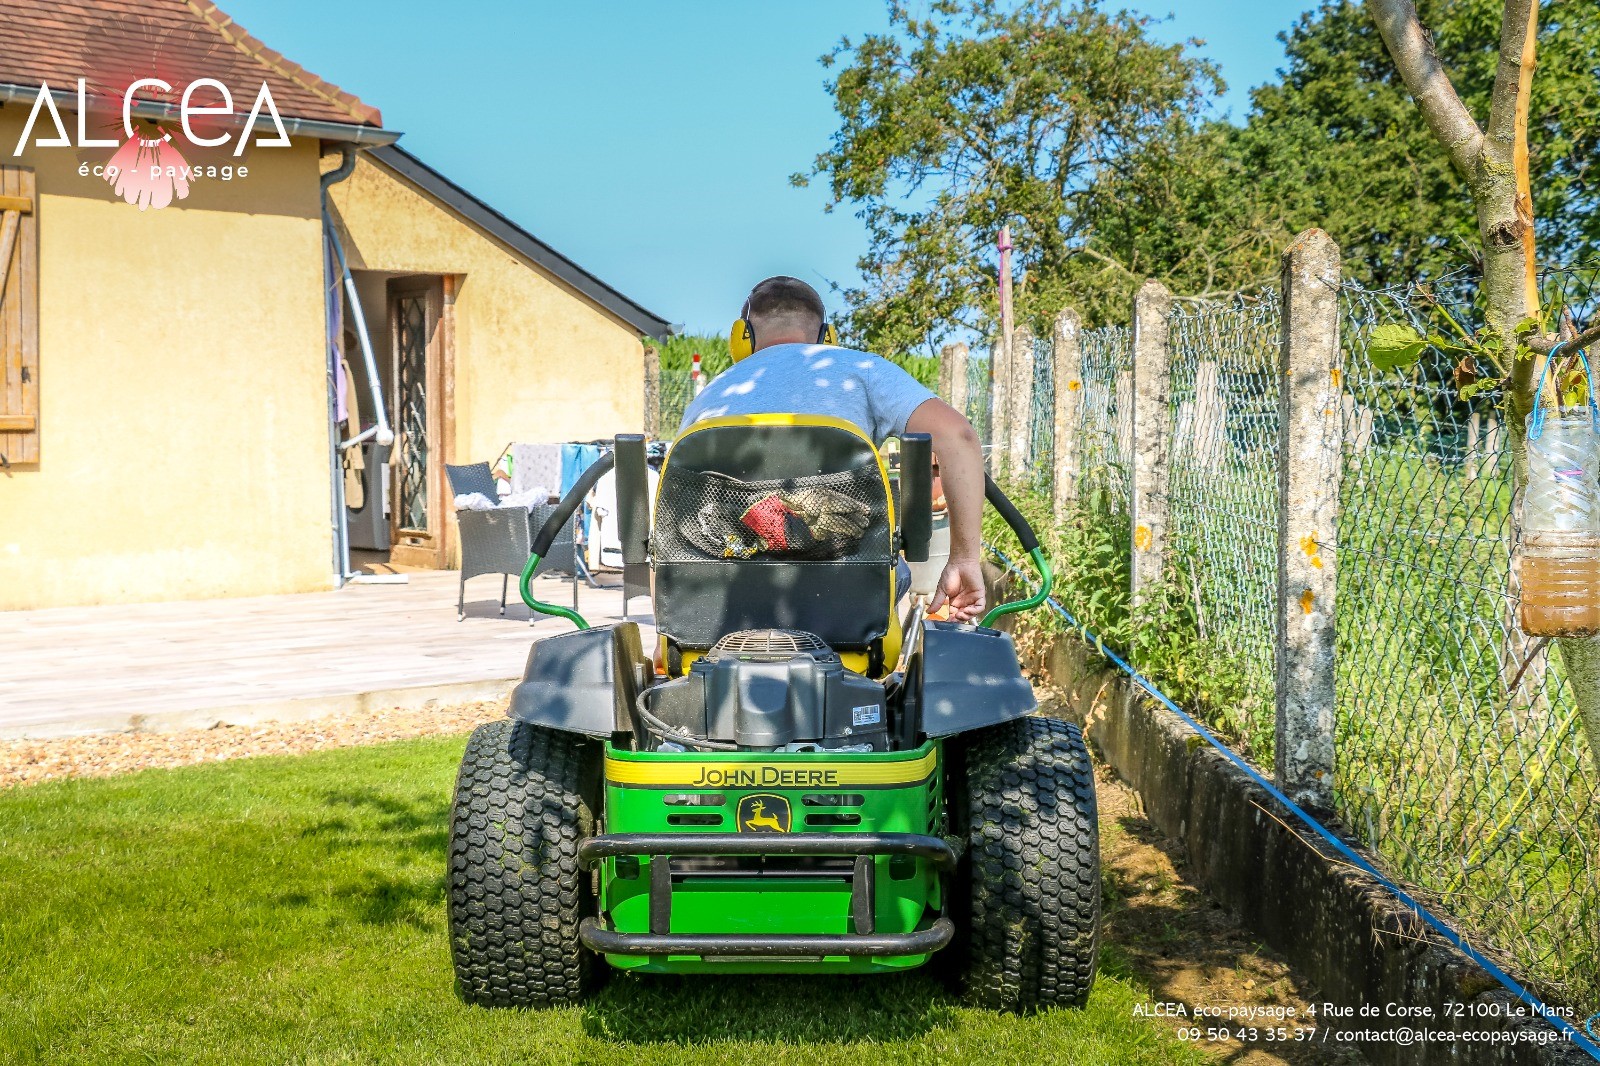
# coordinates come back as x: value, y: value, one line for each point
x: 1049, y: 118
x: 1091, y: 140
x: 1337, y: 142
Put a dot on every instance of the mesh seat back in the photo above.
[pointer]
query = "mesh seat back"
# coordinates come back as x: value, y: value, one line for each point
x: 762, y: 525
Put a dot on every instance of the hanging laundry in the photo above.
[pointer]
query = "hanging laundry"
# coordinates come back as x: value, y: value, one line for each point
x: 354, y: 462
x: 535, y: 464
x: 575, y: 459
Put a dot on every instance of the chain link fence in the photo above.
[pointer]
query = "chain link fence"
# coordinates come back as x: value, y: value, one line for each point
x: 978, y: 390
x: 1222, y: 493
x: 1042, y: 417
x: 671, y: 400
x: 1478, y: 792
x: 1105, y: 414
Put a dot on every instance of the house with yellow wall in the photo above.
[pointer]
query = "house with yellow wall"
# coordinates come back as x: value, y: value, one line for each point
x: 175, y: 349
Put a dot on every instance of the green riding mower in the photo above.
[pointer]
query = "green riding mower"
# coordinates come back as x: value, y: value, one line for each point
x: 795, y: 781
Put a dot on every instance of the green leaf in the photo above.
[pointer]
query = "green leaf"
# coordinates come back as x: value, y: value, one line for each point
x: 1394, y: 346
x: 1481, y: 385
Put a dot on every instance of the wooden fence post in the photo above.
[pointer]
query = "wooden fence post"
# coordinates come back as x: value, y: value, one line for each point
x: 1151, y: 376
x: 652, y: 392
x: 1310, y: 463
x: 1020, y: 446
x: 1068, y: 436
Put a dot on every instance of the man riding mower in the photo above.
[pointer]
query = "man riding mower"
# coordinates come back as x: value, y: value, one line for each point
x: 793, y: 783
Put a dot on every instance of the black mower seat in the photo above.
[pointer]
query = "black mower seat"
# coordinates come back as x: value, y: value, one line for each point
x: 775, y: 522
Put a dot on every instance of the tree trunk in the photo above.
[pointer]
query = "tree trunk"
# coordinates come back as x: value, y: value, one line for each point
x: 1506, y: 296
x: 1493, y: 160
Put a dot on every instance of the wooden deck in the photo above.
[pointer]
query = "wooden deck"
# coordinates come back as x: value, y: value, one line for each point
x: 161, y: 666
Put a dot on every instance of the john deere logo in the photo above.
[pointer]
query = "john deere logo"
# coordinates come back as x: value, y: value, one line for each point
x: 764, y: 814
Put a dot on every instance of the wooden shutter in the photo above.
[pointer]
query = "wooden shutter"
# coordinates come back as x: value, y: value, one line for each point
x: 19, y: 317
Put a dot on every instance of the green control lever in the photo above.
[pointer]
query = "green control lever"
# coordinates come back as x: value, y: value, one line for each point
x: 1030, y: 544
x: 547, y: 536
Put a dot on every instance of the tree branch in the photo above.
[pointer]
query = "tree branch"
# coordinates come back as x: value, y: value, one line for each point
x: 1106, y: 259
x: 1524, y: 46
x: 1509, y: 96
x: 1543, y: 345
x: 1447, y: 117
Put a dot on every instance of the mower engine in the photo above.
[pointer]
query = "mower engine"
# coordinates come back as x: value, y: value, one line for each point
x: 770, y: 690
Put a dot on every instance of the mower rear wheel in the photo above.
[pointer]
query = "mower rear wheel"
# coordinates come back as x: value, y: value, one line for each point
x: 1027, y: 894
x: 525, y: 798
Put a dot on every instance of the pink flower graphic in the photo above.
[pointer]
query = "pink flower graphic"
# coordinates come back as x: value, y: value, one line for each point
x: 148, y: 172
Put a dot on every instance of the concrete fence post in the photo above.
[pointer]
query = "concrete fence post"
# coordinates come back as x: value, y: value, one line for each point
x: 1310, y: 462
x: 652, y: 391
x: 999, y: 393
x: 1068, y: 375
x: 953, y: 375
x: 1020, y: 457
x: 1152, y: 358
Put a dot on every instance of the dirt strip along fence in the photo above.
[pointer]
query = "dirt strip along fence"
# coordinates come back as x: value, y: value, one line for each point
x: 1335, y: 541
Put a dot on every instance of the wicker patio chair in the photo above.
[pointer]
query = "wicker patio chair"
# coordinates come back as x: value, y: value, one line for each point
x: 498, y: 541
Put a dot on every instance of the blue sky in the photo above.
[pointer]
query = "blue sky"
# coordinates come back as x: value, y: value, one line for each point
x: 651, y: 140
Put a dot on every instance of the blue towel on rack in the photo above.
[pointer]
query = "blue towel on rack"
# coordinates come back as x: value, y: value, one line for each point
x: 575, y: 459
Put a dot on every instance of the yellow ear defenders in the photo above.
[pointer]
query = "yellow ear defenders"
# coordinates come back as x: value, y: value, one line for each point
x: 742, y: 337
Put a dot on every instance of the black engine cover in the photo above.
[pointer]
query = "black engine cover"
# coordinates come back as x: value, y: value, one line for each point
x: 772, y: 689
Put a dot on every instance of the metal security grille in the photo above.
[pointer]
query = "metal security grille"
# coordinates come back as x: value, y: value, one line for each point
x: 412, y: 357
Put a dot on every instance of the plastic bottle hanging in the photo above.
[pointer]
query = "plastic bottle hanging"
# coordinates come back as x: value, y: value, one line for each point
x: 1558, y: 553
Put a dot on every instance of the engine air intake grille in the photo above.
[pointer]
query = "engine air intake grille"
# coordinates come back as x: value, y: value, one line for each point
x: 770, y: 642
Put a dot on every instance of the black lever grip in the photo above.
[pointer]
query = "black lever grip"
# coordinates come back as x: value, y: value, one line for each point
x: 916, y: 495
x: 1008, y: 510
x: 633, y: 498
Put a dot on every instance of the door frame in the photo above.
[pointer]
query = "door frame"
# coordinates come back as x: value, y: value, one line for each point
x: 431, y: 548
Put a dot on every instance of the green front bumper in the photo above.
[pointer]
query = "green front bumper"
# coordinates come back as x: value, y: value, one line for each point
x: 875, y: 886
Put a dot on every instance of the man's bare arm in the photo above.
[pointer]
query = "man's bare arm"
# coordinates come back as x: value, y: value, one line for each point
x: 961, y: 468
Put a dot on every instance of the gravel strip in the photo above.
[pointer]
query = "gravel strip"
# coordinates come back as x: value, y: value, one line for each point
x: 26, y: 762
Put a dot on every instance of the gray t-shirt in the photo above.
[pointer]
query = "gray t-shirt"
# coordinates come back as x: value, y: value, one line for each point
x: 814, y: 379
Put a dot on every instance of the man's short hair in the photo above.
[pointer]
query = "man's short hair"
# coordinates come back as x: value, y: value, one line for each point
x: 788, y: 300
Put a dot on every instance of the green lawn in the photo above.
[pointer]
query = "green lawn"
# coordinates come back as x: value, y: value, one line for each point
x: 291, y: 910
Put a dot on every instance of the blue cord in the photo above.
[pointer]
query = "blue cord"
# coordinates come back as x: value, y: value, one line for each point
x: 1345, y: 850
x: 1536, y: 417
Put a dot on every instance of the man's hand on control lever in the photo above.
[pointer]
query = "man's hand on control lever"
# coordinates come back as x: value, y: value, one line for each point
x: 961, y: 470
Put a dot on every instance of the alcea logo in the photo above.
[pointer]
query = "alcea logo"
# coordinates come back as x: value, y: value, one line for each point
x: 149, y: 170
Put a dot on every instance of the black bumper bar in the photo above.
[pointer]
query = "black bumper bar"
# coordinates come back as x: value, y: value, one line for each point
x: 918, y: 845
x: 757, y: 946
x: 864, y: 940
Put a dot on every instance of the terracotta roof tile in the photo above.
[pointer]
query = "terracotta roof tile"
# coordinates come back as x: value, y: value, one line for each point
x: 112, y: 42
